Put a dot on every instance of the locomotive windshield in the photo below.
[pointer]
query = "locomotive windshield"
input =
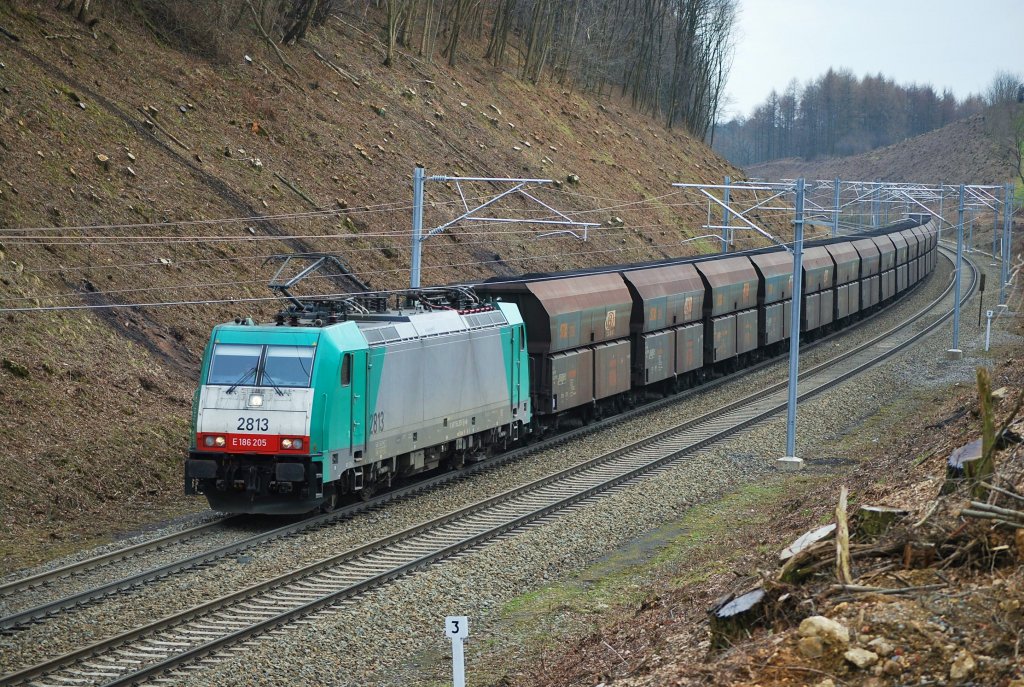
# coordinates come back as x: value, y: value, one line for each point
x: 234, y: 363
x: 288, y: 365
x: 258, y: 365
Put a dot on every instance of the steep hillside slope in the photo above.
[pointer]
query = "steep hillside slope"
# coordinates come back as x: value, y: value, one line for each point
x: 966, y: 151
x: 118, y: 151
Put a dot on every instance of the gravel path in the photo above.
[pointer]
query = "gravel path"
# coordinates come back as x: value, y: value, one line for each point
x: 370, y: 642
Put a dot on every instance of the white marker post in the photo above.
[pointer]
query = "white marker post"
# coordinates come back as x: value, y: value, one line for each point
x: 456, y: 628
x: 988, y: 329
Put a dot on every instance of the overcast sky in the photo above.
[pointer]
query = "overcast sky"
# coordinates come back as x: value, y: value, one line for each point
x: 946, y: 43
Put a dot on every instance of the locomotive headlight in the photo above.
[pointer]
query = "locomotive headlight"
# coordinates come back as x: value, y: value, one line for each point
x: 219, y: 441
x: 255, y: 400
x: 297, y: 443
x: 208, y: 441
x: 286, y: 443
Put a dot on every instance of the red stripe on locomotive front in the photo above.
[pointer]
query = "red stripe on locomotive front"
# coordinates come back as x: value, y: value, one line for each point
x: 251, y: 443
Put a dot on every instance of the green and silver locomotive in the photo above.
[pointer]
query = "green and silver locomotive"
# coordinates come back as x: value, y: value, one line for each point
x: 296, y: 415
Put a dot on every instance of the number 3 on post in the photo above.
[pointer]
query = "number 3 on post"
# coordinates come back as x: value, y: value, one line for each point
x: 456, y: 626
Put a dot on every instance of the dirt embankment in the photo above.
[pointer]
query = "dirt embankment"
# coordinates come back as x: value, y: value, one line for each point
x: 976, y: 150
x: 113, y: 142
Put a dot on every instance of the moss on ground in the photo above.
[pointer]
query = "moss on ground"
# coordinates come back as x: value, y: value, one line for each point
x: 674, y: 553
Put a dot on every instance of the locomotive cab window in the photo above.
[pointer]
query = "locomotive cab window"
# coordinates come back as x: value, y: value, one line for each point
x: 234, y: 364
x: 346, y: 369
x: 288, y: 366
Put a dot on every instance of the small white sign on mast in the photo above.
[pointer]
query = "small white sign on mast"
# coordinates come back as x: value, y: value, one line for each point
x: 456, y: 628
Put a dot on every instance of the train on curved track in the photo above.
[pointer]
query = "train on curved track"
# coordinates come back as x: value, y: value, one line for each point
x: 343, y: 396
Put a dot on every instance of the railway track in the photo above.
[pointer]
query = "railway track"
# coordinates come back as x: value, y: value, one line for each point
x: 22, y: 610
x: 171, y: 645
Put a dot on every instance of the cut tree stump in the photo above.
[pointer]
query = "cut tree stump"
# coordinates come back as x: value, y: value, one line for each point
x: 918, y: 554
x: 733, y: 617
x: 982, y: 470
x: 959, y: 465
x: 873, y: 521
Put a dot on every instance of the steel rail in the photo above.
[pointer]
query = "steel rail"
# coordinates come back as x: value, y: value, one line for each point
x: 576, y: 495
x: 47, y: 576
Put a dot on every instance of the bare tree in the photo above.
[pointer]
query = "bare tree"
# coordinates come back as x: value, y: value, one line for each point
x: 398, y: 16
x: 500, y: 27
x: 701, y: 60
x: 79, y: 8
x: 458, y: 16
x: 538, y: 36
x: 299, y: 15
x: 670, y: 58
x: 1003, y: 88
x: 1005, y: 117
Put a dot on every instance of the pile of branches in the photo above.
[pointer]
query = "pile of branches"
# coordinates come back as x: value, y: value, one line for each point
x: 976, y: 521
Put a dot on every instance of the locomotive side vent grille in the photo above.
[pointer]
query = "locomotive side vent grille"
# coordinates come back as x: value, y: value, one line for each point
x: 485, y: 319
x: 381, y: 335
